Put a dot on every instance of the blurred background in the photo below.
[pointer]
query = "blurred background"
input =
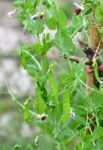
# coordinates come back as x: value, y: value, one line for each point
x: 13, y: 130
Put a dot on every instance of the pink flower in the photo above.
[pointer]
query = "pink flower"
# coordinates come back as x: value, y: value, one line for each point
x: 78, y: 8
x: 11, y: 13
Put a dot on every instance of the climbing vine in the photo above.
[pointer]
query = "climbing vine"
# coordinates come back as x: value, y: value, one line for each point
x: 68, y: 103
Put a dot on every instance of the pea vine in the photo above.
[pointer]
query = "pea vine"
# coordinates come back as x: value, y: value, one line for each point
x: 68, y: 104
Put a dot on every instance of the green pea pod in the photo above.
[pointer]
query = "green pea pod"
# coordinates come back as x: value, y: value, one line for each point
x: 66, y: 106
x: 40, y: 102
x: 95, y: 65
x: 54, y: 86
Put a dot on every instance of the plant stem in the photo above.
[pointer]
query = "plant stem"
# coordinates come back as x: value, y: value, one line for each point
x: 95, y: 42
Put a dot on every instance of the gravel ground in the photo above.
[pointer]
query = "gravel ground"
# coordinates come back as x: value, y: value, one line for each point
x: 12, y: 76
x: 10, y: 36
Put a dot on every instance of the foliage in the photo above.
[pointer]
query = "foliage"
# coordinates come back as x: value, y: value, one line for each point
x: 62, y: 108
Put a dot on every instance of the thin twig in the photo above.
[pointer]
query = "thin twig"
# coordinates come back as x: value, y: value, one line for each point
x: 96, y: 52
x: 77, y: 59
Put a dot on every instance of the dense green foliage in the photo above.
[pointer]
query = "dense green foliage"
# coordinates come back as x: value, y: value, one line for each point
x: 61, y: 105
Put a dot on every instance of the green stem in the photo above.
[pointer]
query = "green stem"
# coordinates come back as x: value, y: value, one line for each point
x: 97, y: 120
x: 14, y: 98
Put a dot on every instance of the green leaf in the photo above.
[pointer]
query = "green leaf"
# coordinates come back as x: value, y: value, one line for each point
x: 39, y: 101
x: 64, y: 43
x: 78, y: 147
x: 32, y: 70
x: 97, y: 97
x: 51, y: 18
x: 99, y: 14
x: 88, y: 10
x: 38, y: 26
x: 39, y: 48
x: 77, y: 24
x: 86, y: 138
x: 62, y: 19
x: 45, y: 127
x: 51, y: 23
x: 66, y: 106
x: 98, y: 132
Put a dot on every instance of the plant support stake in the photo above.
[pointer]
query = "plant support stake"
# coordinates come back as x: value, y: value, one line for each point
x: 95, y: 43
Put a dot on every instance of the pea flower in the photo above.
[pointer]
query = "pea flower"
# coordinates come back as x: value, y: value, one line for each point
x: 39, y: 15
x: 11, y: 13
x: 78, y: 8
x: 72, y: 115
x: 42, y: 117
x: 34, y: 17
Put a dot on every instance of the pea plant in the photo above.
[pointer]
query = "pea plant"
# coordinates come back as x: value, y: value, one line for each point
x: 68, y: 103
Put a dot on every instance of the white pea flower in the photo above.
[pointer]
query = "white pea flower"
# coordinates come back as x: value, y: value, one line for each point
x: 11, y: 13
x: 72, y: 115
x: 34, y: 17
